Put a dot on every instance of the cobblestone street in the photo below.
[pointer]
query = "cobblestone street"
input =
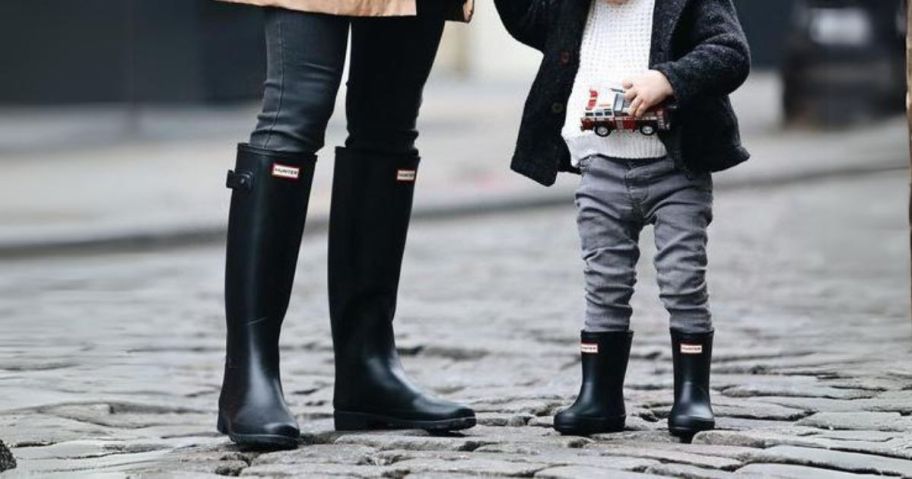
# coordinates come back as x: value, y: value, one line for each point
x: 110, y: 364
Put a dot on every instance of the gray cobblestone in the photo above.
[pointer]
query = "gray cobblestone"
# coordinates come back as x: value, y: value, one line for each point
x: 880, y: 421
x: 876, y: 443
x: 111, y: 364
x: 574, y: 472
x: 688, y: 472
x: 543, y: 454
x: 784, y: 471
x: 837, y: 460
x: 663, y: 454
x: 472, y: 465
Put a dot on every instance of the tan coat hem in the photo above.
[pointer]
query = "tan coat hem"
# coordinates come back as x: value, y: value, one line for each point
x: 356, y: 8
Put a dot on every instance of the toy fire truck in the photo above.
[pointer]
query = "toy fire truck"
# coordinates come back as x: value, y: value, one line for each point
x: 613, y: 113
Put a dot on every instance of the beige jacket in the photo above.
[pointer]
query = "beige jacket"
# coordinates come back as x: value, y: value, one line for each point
x: 462, y: 9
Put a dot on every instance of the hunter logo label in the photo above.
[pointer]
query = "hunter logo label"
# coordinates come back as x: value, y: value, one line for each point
x: 285, y: 171
x: 589, y: 348
x: 691, y: 349
x: 406, y: 175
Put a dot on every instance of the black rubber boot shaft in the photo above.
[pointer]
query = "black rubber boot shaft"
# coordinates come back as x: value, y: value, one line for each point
x: 599, y: 408
x: 692, y: 411
x: 268, y: 210
x: 369, y: 220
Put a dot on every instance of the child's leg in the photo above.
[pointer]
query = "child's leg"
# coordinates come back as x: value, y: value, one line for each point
x: 609, y: 227
x: 681, y: 209
x: 681, y: 214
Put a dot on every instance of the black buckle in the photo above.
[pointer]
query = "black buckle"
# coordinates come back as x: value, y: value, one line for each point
x: 239, y: 181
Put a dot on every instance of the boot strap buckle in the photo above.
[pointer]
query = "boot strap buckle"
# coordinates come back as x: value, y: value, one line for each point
x: 239, y: 181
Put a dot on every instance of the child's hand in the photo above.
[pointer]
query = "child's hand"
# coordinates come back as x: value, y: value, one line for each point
x: 647, y: 91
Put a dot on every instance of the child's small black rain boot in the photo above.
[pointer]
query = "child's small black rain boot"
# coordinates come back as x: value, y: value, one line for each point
x: 599, y: 408
x: 692, y: 411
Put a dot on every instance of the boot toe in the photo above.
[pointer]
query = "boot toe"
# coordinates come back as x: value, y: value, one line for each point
x: 570, y: 422
x: 421, y: 413
x: 691, y: 421
x: 452, y: 410
x: 688, y: 427
x: 447, y: 415
x: 283, y: 434
x: 434, y: 409
x: 465, y: 411
x: 454, y: 417
x: 263, y: 421
x: 286, y: 429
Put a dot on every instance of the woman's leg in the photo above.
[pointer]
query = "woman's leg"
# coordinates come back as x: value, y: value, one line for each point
x: 372, y: 201
x: 305, y: 60
x: 391, y: 60
x: 271, y: 185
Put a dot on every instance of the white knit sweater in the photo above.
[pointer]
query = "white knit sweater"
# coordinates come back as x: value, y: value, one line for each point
x: 616, y: 46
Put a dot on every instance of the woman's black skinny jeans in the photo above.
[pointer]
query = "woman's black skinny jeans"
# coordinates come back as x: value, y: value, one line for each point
x: 391, y: 59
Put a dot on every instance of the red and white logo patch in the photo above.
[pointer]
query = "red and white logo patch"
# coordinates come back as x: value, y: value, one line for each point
x: 285, y: 171
x: 691, y: 348
x: 589, y: 348
x: 407, y: 176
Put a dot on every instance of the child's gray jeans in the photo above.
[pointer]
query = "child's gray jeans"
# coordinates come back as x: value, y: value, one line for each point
x: 616, y: 199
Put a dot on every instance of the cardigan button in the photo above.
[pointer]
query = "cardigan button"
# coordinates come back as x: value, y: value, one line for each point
x: 557, y: 108
x: 565, y: 57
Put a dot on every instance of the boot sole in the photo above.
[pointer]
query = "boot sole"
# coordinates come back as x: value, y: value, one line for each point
x: 356, y: 421
x: 258, y: 441
x: 589, y: 426
x: 691, y: 431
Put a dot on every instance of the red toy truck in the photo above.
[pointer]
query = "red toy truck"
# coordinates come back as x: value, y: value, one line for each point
x: 604, y: 117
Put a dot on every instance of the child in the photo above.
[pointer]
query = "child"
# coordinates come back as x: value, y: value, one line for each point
x: 691, y: 52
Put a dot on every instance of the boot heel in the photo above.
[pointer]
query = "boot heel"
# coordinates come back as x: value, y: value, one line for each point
x: 352, y: 421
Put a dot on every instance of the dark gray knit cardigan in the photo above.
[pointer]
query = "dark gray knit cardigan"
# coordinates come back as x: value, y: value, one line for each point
x: 698, y: 44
